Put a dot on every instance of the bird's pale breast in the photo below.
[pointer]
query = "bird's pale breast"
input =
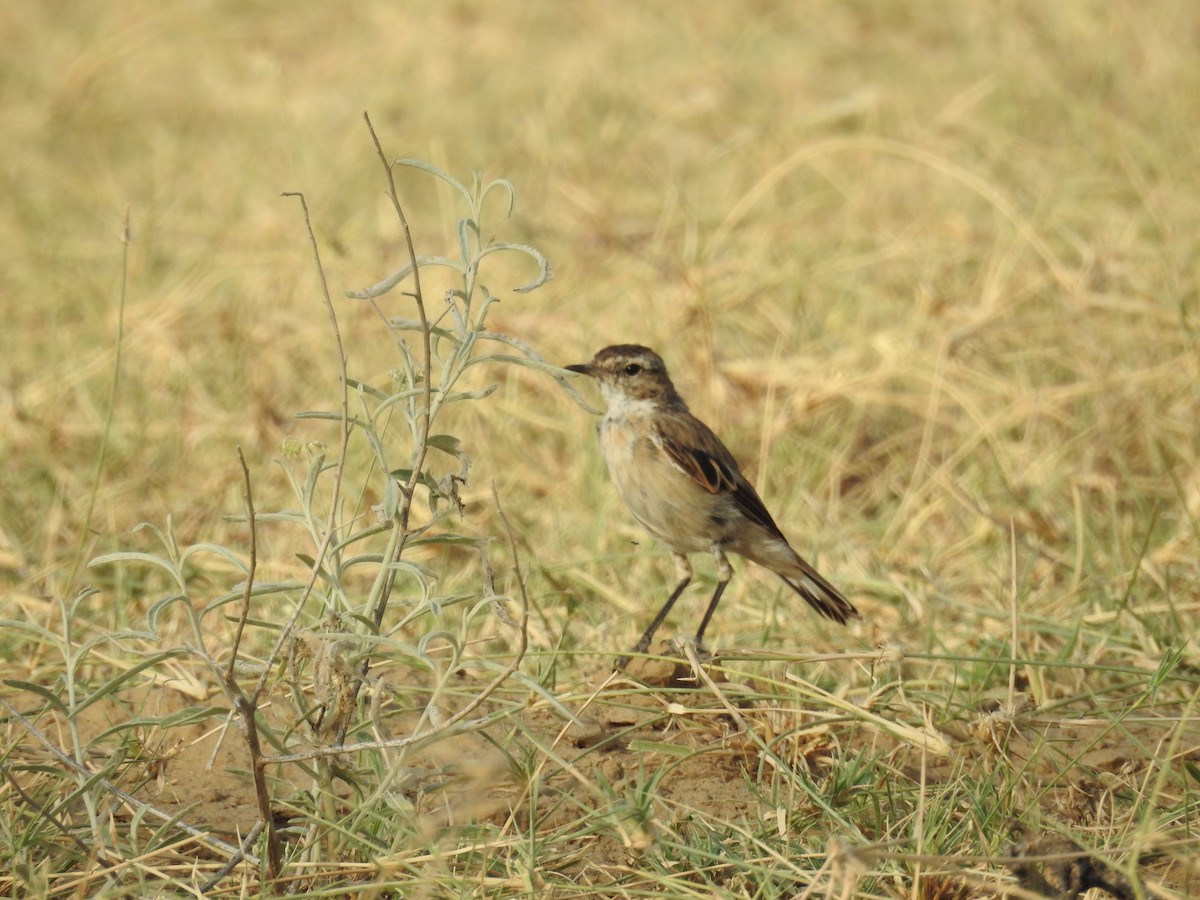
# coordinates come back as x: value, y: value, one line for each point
x: 668, y: 503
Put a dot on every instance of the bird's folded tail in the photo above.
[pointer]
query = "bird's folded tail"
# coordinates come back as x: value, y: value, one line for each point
x: 821, y: 595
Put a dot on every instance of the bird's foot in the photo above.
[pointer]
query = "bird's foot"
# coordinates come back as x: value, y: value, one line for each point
x: 685, y: 648
x: 623, y: 661
x: 674, y: 664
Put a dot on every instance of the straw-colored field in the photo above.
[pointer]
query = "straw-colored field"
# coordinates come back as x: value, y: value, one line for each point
x: 931, y: 270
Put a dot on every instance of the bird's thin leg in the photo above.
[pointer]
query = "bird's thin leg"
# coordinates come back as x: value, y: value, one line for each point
x: 684, y: 570
x: 724, y: 573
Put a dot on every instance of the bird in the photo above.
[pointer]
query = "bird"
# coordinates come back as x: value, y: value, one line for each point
x: 686, y: 489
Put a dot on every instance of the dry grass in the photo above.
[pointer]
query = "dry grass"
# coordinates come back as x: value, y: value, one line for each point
x: 930, y: 269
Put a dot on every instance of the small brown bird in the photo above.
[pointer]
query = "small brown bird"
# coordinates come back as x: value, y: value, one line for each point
x: 685, y: 488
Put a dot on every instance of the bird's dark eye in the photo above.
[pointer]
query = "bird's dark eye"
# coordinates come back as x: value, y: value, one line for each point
x: 632, y: 369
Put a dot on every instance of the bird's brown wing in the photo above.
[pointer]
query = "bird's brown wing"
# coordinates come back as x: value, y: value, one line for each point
x: 709, y: 463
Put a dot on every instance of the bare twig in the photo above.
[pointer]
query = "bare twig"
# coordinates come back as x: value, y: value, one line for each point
x: 285, y: 633
x: 233, y: 861
x: 102, y: 455
x: 1014, y: 615
x: 237, y: 638
x: 422, y: 437
x: 248, y: 712
x: 400, y: 532
x: 523, y: 641
x: 248, y: 708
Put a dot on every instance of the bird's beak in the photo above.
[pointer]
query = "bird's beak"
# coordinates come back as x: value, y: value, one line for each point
x: 581, y: 368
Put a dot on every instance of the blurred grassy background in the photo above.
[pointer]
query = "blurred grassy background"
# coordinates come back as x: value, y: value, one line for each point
x: 930, y: 268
